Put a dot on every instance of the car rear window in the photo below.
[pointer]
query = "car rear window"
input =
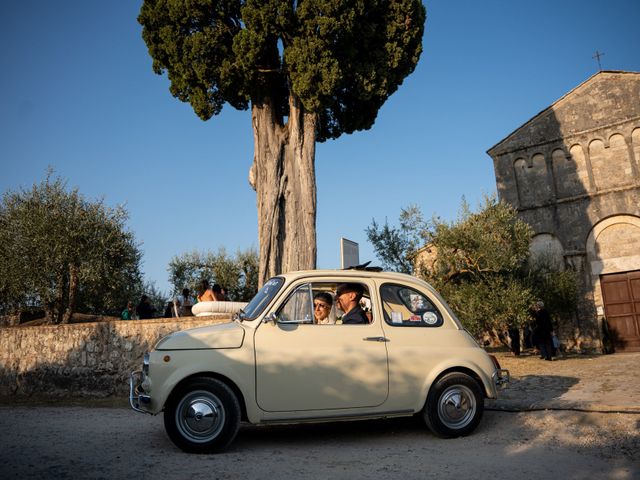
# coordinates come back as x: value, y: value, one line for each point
x: 406, y: 307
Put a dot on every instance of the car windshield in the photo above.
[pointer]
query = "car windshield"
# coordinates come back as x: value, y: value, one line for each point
x: 262, y: 299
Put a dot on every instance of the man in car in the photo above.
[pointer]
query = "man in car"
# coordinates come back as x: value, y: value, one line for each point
x: 348, y: 297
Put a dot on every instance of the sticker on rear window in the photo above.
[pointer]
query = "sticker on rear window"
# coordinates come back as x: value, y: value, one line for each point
x: 430, y: 318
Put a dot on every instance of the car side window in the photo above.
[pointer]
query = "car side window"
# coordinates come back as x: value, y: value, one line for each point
x: 298, y: 307
x: 407, y: 307
x: 315, y: 303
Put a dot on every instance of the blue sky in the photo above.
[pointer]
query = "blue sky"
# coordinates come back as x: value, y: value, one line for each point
x: 77, y: 92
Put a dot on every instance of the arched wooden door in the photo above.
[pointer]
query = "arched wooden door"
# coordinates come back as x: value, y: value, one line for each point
x: 621, y: 295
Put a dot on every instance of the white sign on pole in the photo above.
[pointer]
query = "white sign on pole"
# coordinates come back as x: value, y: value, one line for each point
x: 349, y: 253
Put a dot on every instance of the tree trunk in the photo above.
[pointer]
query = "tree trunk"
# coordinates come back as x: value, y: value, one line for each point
x: 283, y: 176
x: 54, y: 307
x: 73, y: 293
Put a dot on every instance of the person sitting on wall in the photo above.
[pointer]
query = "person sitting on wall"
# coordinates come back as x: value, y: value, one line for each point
x: 217, y: 293
x: 205, y: 293
x: 348, y: 297
x: 128, y: 313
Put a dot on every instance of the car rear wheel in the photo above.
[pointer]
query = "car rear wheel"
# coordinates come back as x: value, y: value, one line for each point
x: 202, y: 416
x: 454, y: 406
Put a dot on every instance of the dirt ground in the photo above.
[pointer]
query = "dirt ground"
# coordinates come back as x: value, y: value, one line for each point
x: 577, y: 417
x: 40, y: 442
x: 596, y: 383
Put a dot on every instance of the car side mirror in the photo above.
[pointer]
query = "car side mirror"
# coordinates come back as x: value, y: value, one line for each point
x: 270, y: 318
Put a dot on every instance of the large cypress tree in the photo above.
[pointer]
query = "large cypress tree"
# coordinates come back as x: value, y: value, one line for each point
x: 310, y: 70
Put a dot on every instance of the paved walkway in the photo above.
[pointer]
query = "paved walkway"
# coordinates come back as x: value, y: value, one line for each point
x: 600, y: 383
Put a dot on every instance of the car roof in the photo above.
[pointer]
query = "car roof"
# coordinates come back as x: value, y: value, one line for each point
x: 360, y: 273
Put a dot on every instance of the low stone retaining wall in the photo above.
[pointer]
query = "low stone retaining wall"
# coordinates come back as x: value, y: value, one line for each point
x: 83, y: 359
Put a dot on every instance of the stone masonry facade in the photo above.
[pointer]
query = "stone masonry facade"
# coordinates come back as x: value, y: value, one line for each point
x: 573, y: 173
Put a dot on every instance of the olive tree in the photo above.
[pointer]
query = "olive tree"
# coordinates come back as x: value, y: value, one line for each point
x: 237, y: 274
x: 310, y: 70
x: 61, y: 252
x: 396, y: 246
x: 481, y: 264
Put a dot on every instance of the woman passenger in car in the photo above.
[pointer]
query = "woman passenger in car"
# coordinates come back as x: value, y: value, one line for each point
x: 322, y: 303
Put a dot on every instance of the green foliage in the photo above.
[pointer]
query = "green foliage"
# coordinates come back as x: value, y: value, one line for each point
x: 491, y: 241
x: 489, y: 304
x: 341, y: 59
x: 238, y: 275
x: 396, y: 246
x: 479, y: 263
x: 63, y: 253
x: 481, y: 266
x: 557, y: 288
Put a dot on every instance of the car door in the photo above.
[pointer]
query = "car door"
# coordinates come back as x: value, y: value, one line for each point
x: 303, y: 366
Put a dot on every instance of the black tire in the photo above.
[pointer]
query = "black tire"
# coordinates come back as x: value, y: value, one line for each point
x: 202, y: 416
x: 454, y: 406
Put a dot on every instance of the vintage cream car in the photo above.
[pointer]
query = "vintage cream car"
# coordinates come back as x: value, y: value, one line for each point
x: 274, y: 363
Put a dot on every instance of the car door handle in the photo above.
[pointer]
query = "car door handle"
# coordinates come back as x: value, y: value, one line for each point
x: 375, y: 339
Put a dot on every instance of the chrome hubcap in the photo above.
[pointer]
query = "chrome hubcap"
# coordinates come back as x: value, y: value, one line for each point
x: 200, y: 416
x: 457, y: 406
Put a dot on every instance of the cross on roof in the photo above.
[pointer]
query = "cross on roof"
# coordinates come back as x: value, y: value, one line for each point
x: 597, y: 57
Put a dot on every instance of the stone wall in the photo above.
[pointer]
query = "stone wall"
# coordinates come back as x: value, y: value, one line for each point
x: 80, y: 360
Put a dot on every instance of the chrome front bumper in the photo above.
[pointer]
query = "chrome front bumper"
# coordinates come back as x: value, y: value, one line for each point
x: 501, y: 377
x: 137, y: 397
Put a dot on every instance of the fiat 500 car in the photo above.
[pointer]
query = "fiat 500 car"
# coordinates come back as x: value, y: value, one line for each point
x: 281, y: 360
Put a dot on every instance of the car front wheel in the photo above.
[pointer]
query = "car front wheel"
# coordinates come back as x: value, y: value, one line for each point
x: 202, y: 416
x: 454, y: 406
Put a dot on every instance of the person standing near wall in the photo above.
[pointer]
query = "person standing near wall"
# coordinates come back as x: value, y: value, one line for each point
x: 514, y: 339
x: 144, y: 309
x: 185, y: 303
x: 543, y: 331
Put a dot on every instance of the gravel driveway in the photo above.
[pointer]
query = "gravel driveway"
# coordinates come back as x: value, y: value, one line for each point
x: 40, y: 442
x: 537, y: 429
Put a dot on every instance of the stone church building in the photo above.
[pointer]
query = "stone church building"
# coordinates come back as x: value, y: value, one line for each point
x: 573, y: 174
